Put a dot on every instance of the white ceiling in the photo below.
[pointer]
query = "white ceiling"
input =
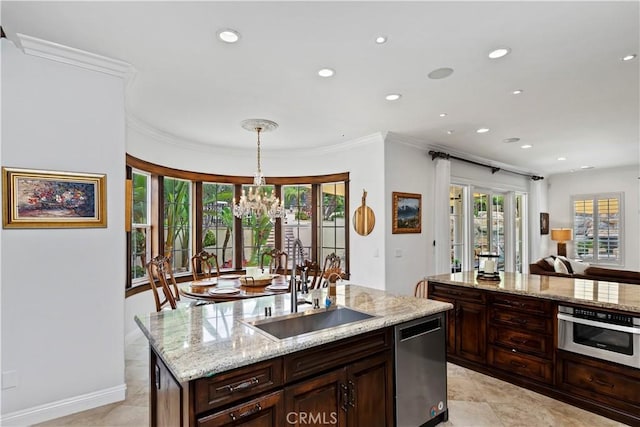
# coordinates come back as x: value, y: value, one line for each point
x: 580, y: 100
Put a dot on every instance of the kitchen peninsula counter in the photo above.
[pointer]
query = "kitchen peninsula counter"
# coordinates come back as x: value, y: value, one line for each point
x: 208, y: 339
x: 517, y: 329
x: 594, y: 293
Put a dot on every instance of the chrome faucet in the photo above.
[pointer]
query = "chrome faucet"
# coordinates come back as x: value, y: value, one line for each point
x: 297, y: 250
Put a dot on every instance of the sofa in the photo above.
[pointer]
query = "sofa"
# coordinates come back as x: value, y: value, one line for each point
x: 545, y: 267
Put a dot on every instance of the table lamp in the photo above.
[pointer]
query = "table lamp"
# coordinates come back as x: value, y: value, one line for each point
x: 561, y: 235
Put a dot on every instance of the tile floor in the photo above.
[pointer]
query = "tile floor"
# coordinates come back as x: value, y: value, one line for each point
x: 474, y: 399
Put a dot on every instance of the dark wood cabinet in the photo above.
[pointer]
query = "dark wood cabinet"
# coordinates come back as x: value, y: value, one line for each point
x: 518, y: 335
x: 614, y: 388
x: 466, y: 323
x: 521, y: 336
x: 345, y: 383
x: 165, y: 394
x: 360, y: 394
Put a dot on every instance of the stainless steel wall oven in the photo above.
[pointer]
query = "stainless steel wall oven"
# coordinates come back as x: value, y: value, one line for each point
x: 609, y: 336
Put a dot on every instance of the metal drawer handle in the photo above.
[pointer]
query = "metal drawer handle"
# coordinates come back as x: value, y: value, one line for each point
x: 600, y: 382
x: 516, y: 364
x: 352, y: 394
x: 251, y: 411
x: 247, y: 384
x: 345, y: 397
x: 520, y: 321
x: 517, y: 341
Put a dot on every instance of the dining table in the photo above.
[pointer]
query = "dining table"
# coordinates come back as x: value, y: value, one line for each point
x: 232, y: 287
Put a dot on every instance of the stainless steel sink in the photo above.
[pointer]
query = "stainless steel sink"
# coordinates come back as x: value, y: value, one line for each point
x: 309, y: 321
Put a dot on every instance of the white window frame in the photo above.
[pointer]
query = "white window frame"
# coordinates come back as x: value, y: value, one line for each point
x: 144, y: 226
x: 619, y: 260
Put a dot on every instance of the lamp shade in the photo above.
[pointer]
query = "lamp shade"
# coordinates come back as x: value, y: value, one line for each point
x: 561, y: 234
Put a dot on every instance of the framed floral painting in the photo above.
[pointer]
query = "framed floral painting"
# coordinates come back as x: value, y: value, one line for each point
x: 46, y: 199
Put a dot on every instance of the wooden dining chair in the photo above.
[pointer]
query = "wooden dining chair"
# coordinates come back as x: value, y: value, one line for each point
x: 421, y: 289
x: 202, y: 265
x: 314, y: 277
x: 159, y: 268
x: 331, y: 267
x: 276, y: 264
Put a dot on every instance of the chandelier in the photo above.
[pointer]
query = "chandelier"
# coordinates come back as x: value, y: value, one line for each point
x: 258, y: 200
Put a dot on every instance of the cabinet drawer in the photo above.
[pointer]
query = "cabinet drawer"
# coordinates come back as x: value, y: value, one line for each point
x: 456, y: 292
x: 522, y: 364
x: 263, y: 411
x: 318, y: 359
x: 592, y: 379
x: 531, y: 305
x: 518, y: 320
x: 237, y: 384
x: 521, y: 340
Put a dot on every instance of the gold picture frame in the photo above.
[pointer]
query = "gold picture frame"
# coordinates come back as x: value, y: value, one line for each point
x: 407, y: 213
x: 49, y: 199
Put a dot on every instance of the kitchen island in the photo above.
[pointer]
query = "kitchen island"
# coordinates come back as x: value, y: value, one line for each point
x: 521, y: 328
x: 210, y: 366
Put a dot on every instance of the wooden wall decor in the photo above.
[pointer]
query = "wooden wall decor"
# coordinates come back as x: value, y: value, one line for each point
x: 363, y: 218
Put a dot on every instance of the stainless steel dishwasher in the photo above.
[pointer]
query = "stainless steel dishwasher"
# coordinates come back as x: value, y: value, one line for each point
x: 421, y: 372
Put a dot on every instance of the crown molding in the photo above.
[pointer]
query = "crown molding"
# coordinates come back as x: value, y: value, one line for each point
x: 76, y: 57
x: 150, y: 131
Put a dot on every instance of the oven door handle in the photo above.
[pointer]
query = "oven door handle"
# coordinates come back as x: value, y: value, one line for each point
x: 611, y: 326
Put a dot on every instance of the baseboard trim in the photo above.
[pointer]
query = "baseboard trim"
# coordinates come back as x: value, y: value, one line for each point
x: 61, y: 408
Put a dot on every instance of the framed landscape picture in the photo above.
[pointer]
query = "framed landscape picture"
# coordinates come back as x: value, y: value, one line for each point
x: 407, y: 213
x: 45, y: 199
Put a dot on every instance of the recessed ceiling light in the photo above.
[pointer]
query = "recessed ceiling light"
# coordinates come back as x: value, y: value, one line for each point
x: 517, y: 91
x: 392, y: 97
x: 326, y: 72
x: 228, y: 35
x: 440, y: 73
x: 381, y: 39
x: 443, y: 114
x: 562, y: 158
x: 510, y: 140
x: 499, y: 52
x: 450, y: 132
x: 482, y: 130
x: 525, y: 146
x: 629, y: 57
x: 586, y: 167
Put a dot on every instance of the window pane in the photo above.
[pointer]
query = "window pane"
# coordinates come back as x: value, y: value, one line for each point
x: 297, y: 225
x: 177, y: 223
x: 332, y: 220
x: 139, y: 252
x: 456, y: 226
x: 258, y: 233
x: 217, y: 222
x: 140, y: 236
x: 480, y: 224
x: 583, y: 228
x: 140, y: 203
x: 497, y: 228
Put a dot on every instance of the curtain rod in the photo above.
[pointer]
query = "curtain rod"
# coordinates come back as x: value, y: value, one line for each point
x: 440, y: 155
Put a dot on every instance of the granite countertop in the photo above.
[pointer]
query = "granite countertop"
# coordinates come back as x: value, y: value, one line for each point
x: 203, y: 340
x: 595, y: 293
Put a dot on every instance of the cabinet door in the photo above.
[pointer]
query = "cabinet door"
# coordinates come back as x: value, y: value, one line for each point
x: 451, y: 324
x: 370, y: 394
x: 264, y: 411
x: 319, y: 401
x: 471, y: 331
x: 166, y: 395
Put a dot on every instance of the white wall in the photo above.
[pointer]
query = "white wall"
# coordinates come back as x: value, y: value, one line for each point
x: 622, y: 179
x: 410, y: 257
x: 62, y: 289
